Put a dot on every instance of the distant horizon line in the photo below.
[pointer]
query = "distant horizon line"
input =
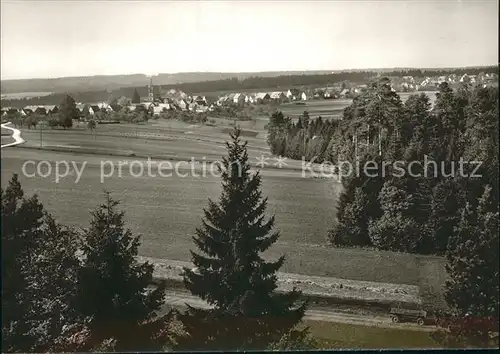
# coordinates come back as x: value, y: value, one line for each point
x: 256, y: 72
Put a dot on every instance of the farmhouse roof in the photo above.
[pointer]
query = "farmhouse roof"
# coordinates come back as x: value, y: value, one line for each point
x: 276, y: 94
x: 49, y: 107
x: 31, y: 108
x: 261, y: 95
x: 8, y: 108
x: 80, y: 106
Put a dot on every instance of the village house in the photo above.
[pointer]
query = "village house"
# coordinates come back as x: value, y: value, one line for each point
x: 441, y: 79
x: 230, y: 98
x: 164, y: 106
x: 105, y: 106
x: 201, y: 100
x: 239, y: 98
x: 222, y: 99
x: 157, y: 110
x: 80, y: 107
x: 85, y: 110
x: 425, y: 82
x: 95, y: 108
x: 182, y: 104
x: 262, y: 97
x: 34, y: 110
x: 9, y: 110
x: 293, y: 93
x: 408, y: 79
x: 344, y: 93
x: 201, y: 109
x: 277, y: 95
x: 51, y: 109
x: 330, y: 93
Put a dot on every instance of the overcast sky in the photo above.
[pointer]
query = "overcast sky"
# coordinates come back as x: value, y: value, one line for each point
x: 65, y: 38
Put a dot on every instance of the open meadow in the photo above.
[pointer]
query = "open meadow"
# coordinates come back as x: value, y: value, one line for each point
x: 24, y: 95
x: 331, y: 109
x: 167, y: 210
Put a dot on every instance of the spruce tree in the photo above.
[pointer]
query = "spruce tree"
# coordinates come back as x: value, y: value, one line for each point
x: 21, y: 220
x: 55, y: 278
x: 39, y: 275
x: 230, y: 273
x: 113, y: 286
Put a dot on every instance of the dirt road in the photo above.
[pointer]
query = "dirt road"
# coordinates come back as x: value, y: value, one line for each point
x: 179, y: 299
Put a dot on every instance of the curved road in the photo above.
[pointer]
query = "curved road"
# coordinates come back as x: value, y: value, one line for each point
x: 16, y: 135
x: 180, y: 299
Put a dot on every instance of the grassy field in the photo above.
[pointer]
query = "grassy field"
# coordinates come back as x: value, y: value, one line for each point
x: 23, y: 95
x: 7, y: 140
x: 323, y: 108
x: 166, y: 211
x: 347, y: 336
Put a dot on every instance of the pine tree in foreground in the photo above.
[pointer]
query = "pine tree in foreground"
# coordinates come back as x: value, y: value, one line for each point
x: 39, y: 267
x: 231, y: 276
x: 21, y: 220
x: 114, y: 288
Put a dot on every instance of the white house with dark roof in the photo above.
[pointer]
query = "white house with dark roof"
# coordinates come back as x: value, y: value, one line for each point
x: 293, y: 93
x: 50, y: 109
x: 182, y: 104
x: 106, y: 106
x: 262, y: 97
x: 239, y: 98
x: 277, y: 95
x: 32, y: 109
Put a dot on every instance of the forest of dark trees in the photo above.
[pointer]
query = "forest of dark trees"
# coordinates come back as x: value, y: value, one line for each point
x: 403, y: 213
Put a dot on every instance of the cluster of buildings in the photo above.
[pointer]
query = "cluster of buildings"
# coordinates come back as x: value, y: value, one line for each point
x: 409, y: 83
x: 178, y: 101
x: 47, y: 110
x: 29, y: 110
x: 293, y: 94
x: 174, y: 100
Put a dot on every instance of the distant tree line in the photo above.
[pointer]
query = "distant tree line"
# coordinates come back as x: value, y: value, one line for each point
x: 305, y: 138
x: 234, y: 84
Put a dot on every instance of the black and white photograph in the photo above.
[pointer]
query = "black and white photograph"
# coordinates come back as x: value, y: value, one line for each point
x: 282, y: 175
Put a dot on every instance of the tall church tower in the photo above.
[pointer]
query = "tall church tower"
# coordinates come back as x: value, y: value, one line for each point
x: 151, y: 95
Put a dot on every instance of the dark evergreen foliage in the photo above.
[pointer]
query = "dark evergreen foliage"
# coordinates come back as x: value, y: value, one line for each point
x: 113, y: 285
x: 67, y: 112
x: 230, y: 274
